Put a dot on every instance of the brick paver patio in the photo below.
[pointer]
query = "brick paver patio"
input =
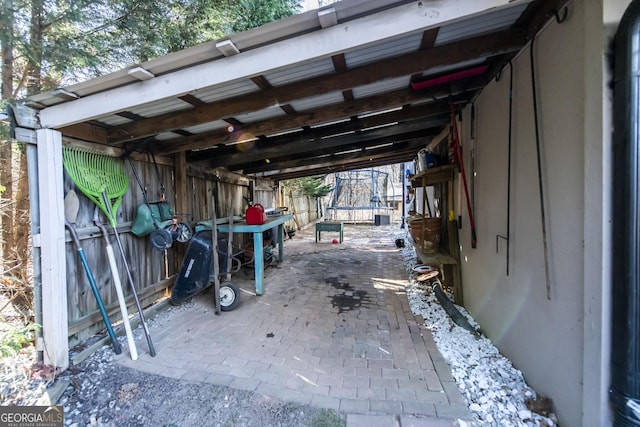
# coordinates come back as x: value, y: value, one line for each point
x: 333, y: 329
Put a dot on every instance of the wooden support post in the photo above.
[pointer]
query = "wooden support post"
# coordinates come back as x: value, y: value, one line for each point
x: 454, y: 251
x: 51, y: 240
x: 180, y: 191
x: 424, y: 214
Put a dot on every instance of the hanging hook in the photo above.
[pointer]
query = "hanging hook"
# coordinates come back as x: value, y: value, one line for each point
x: 499, y: 75
x: 565, y: 13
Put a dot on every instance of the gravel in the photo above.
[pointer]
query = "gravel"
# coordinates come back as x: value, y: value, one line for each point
x: 22, y: 381
x: 494, y: 389
x: 106, y: 394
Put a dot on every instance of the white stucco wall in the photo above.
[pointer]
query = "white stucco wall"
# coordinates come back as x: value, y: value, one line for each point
x: 561, y: 343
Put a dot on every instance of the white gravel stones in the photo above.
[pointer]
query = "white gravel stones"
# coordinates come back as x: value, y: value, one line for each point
x: 495, y: 391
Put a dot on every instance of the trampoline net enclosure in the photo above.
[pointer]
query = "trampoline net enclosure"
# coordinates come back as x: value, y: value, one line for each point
x: 360, y: 196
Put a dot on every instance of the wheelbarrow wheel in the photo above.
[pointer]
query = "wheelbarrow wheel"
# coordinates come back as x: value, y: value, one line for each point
x: 229, y: 296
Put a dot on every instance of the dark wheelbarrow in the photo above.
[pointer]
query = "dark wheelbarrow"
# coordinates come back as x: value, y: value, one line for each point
x: 195, y: 273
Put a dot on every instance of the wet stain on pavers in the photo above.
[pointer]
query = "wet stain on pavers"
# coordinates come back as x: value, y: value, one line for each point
x: 338, y: 282
x: 350, y: 301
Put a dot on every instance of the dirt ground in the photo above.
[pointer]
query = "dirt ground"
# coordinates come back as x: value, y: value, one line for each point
x: 103, y: 393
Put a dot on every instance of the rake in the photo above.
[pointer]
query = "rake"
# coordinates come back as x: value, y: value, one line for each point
x: 104, y: 181
x: 94, y: 173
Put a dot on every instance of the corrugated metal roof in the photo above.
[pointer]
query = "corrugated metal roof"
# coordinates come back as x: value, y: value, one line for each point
x: 205, y: 52
x: 452, y: 67
x: 500, y: 19
x: 297, y: 72
x: 329, y: 98
x: 164, y: 136
x: 205, y: 127
x: 381, y: 87
x: 161, y: 107
x: 256, y: 116
x: 114, y: 120
x: 227, y: 90
x: 388, y: 48
x: 248, y: 100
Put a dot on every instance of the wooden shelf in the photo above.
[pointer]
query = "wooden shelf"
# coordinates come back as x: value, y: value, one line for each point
x: 448, y: 265
x: 447, y: 258
x: 433, y: 176
x: 440, y: 257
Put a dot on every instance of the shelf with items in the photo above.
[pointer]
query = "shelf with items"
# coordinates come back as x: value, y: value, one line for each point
x: 441, y: 232
x: 447, y: 261
x: 433, y: 176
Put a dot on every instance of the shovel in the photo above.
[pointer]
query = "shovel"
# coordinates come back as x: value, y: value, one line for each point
x: 71, y: 207
x: 118, y: 285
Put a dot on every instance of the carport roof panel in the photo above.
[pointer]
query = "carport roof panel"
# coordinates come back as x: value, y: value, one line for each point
x: 161, y: 107
x: 302, y: 71
x: 318, y: 101
x: 256, y: 116
x: 387, y: 48
x: 381, y: 87
x: 500, y: 19
x: 244, y: 41
x: 271, y: 34
x: 294, y: 81
x: 114, y: 120
x: 230, y: 89
x: 205, y: 127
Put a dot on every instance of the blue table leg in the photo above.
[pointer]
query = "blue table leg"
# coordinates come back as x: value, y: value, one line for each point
x: 280, y: 242
x: 258, y: 260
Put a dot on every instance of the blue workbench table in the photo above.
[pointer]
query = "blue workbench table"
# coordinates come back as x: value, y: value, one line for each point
x: 257, y: 230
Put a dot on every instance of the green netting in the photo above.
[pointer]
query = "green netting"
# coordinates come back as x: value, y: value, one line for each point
x: 95, y: 173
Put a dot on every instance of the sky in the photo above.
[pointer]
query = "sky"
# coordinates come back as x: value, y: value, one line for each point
x: 314, y: 4
x: 308, y: 5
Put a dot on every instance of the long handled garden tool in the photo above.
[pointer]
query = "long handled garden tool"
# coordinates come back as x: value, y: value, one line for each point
x: 228, y: 293
x: 229, y: 245
x: 145, y: 328
x: 118, y: 285
x: 103, y: 180
x: 71, y: 207
x: 459, y: 160
x: 214, y: 258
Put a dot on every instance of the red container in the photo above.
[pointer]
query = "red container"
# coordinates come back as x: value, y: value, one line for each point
x: 255, y: 215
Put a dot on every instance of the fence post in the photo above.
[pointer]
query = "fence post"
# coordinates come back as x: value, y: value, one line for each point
x: 51, y: 241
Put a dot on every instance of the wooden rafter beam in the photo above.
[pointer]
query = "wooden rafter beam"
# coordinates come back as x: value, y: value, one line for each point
x: 404, y: 19
x: 425, y: 112
x: 324, y: 156
x: 411, y: 63
x: 326, y: 169
x: 327, y: 114
x: 87, y: 132
x: 412, y: 146
x: 298, y: 148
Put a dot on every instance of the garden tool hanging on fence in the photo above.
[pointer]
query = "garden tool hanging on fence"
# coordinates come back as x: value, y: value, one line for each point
x: 157, y: 219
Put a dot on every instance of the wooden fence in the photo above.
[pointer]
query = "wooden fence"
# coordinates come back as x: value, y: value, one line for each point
x: 304, y: 210
x: 150, y: 269
x: 154, y: 271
